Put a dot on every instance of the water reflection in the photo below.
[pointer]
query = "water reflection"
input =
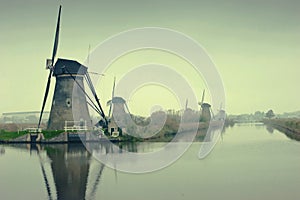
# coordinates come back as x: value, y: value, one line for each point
x: 210, y: 140
x: 249, y: 164
x: 70, y: 168
x: 141, y: 157
x: 2, y: 151
x: 70, y: 171
x: 270, y: 129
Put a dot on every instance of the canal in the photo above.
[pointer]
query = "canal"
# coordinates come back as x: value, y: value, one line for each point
x: 248, y: 162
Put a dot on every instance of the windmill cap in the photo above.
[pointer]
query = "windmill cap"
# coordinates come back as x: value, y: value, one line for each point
x: 116, y: 100
x: 205, y: 105
x: 64, y: 66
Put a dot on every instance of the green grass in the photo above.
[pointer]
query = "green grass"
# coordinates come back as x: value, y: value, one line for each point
x: 51, y: 134
x: 4, y: 135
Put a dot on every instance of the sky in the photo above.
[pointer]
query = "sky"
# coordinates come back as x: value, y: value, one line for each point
x: 254, y: 45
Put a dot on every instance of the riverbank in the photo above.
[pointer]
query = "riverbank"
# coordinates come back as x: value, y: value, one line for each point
x: 166, y: 134
x: 289, y: 126
x: 66, y: 137
x: 50, y: 137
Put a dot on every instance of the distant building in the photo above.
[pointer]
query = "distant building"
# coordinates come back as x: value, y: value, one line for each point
x: 23, y: 117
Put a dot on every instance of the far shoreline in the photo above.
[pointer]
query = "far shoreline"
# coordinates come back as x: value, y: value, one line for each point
x: 289, y: 126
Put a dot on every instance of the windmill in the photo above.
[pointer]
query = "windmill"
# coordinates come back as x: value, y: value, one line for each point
x: 205, y: 109
x: 69, y: 91
x: 221, y: 115
x: 117, y: 112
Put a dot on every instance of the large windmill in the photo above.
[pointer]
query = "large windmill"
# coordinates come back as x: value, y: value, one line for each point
x: 69, y: 91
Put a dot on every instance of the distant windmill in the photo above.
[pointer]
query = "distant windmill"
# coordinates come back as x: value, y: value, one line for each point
x: 69, y: 90
x: 186, y: 104
x: 221, y: 115
x: 205, y: 109
x: 117, y: 111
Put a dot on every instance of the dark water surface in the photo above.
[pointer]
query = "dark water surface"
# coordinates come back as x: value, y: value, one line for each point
x: 249, y: 162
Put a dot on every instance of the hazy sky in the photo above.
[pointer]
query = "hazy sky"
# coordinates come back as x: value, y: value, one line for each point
x: 254, y: 44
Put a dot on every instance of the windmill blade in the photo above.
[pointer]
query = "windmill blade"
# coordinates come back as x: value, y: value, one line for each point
x: 51, y: 70
x: 202, y: 100
x: 88, y: 57
x: 113, y: 91
x: 127, y: 109
x: 110, y: 105
x: 212, y: 113
x: 186, y: 103
x: 112, y: 96
x: 56, y: 37
x: 96, y: 183
x: 46, y: 180
x: 45, y: 97
x: 89, y: 81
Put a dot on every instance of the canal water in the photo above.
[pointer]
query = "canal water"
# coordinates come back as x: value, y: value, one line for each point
x: 248, y: 162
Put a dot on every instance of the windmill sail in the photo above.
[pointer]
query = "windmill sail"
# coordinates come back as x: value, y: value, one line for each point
x: 56, y: 37
x: 202, y: 100
x: 112, y: 96
x: 52, y: 64
x: 186, y: 104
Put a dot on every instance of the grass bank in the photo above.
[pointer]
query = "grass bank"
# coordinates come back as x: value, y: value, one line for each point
x: 11, y: 135
x: 52, y: 134
x: 6, y: 135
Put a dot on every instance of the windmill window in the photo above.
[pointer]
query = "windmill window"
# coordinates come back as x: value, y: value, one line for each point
x: 68, y: 102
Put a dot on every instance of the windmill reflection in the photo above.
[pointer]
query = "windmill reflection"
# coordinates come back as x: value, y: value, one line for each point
x: 2, y: 151
x: 71, y: 171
